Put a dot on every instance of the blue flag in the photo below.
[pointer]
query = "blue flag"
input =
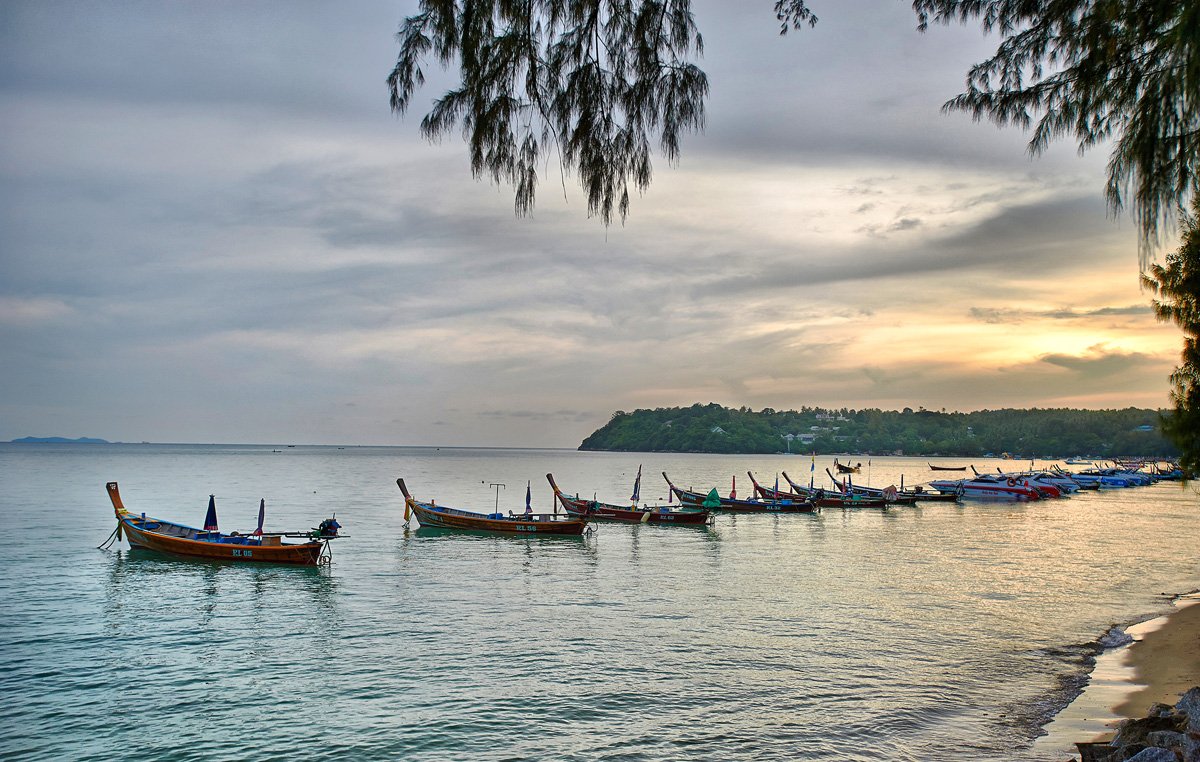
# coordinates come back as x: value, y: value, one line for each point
x: 528, y: 498
x: 637, y: 486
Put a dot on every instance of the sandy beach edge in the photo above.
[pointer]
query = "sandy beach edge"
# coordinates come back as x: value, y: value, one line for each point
x: 1126, y: 680
x: 1165, y: 660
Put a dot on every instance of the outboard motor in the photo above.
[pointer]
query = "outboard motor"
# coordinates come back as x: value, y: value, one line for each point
x: 328, y: 528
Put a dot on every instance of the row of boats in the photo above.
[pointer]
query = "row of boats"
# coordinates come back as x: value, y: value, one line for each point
x: 1047, y: 483
x: 695, y: 507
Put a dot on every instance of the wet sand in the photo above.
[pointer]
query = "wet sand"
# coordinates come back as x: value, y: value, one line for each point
x: 1161, y: 663
x: 1165, y: 660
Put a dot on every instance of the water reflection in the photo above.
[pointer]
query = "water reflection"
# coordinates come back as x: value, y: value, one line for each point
x: 136, y: 576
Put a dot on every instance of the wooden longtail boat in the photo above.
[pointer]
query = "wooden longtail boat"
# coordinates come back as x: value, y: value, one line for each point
x: 688, y: 497
x: 432, y: 515
x: 650, y: 514
x: 846, y: 468
x: 889, y: 495
x: 142, y: 531
x: 824, y: 498
x: 945, y: 468
x: 817, y: 498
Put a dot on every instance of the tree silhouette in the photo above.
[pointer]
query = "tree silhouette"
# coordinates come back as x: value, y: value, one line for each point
x: 1177, y: 283
x: 601, y: 81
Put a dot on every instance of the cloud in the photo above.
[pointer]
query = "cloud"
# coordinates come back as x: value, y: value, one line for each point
x: 1001, y: 315
x: 214, y: 229
x: 1099, y: 362
x: 26, y: 311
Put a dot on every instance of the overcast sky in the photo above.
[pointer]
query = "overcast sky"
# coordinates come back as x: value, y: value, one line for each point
x: 212, y: 229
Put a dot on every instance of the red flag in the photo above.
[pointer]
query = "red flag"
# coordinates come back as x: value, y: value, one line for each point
x: 733, y: 490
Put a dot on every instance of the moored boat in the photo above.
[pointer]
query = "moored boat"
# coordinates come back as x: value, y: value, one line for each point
x: 163, y: 536
x: 1048, y: 483
x: 834, y: 498
x: 988, y: 487
x: 816, y: 498
x: 631, y: 514
x: 430, y: 514
x: 738, y: 505
x: 889, y: 495
x: 945, y: 468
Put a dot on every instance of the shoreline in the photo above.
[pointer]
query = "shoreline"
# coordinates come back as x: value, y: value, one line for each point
x: 1165, y: 660
x: 1161, y: 662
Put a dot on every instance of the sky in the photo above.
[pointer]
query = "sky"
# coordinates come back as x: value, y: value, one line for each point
x: 213, y: 229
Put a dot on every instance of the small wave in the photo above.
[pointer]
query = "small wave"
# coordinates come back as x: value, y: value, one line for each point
x: 1114, y: 638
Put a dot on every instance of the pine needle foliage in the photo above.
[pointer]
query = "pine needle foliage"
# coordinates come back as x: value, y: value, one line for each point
x: 1177, y: 283
x: 1127, y: 70
x: 598, y: 81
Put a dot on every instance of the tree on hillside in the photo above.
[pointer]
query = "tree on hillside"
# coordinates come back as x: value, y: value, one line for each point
x: 1177, y: 283
x: 601, y: 80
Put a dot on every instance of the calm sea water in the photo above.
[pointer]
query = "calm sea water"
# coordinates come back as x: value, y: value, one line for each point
x: 941, y: 632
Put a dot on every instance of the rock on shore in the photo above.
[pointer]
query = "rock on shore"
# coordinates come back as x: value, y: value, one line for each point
x: 1165, y: 734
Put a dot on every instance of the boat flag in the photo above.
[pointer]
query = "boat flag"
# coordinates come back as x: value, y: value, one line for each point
x: 210, y: 520
x: 637, y: 486
x: 733, y: 489
x: 776, y: 495
x: 812, y: 470
x: 528, y: 498
x: 262, y: 514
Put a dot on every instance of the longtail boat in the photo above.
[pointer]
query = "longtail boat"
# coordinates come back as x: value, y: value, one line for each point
x: 146, y: 532
x: 430, y: 514
x: 817, y: 498
x: 716, y: 502
x: 846, y: 468
x: 650, y: 514
x: 824, y: 498
x: 889, y: 495
x: 945, y: 468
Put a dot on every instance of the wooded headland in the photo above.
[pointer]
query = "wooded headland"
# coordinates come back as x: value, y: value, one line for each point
x: 1037, y: 432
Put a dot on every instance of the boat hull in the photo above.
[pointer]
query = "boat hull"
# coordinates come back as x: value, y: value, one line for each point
x: 747, y: 506
x: 163, y: 536
x: 305, y: 554
x: 590, y: 509
x: 660, y: 514
x: 431, y: 516
x: 988, y: 491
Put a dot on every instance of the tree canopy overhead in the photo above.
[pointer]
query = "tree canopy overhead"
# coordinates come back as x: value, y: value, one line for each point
x: 597, y: 81
x: 1127, y: 70
x: 601, y: 81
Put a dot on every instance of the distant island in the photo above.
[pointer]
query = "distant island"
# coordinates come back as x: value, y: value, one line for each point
x: 1037, y: 432
x: 59, y: 440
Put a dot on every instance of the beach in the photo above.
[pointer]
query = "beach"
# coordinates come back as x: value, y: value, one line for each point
x: 1165, y: 660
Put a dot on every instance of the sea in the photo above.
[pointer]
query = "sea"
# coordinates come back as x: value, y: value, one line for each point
x: 935, y: 632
